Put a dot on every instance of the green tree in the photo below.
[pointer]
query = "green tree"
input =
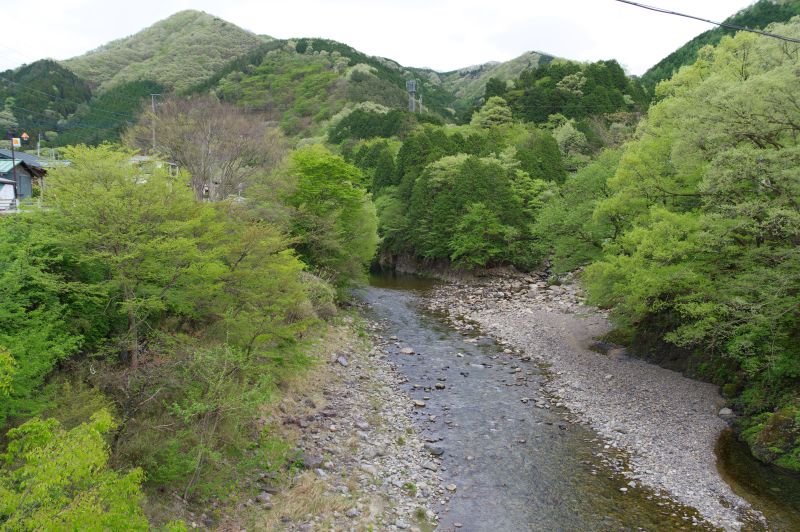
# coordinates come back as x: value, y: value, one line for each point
x: 479, y: 238
x: 334, y: 219
x: 494, y: 87
x: 704, y: 205
x: 60, y: 480
x: 139, y: 229
x: 494, y: 113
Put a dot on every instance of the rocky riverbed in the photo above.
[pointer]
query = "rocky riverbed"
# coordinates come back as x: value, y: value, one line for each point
x: 362, y: 463
x: 666, y: 424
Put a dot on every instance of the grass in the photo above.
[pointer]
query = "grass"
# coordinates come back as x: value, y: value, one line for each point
x: 306, y: 498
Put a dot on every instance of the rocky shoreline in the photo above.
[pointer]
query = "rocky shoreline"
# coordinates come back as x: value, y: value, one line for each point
x: 363, y: 464
x: 667, y: 424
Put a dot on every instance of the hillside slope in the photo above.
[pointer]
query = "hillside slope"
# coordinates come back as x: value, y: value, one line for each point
x: 40, y: 96
x: 177, y: 52
x: 305, y: 82
x: 759, y: 15
x: 468, y: 84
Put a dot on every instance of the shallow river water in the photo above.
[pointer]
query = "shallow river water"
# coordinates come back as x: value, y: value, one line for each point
x: 516, y: 466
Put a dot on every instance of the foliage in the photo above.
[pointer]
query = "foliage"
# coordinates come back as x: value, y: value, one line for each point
x: 43, y: 315
x: 494, y: 113
x: 140, y: 232
x: 107, y: 115
x: 574, y: 90
x: 565, y: 226
x: 479, y: 238
x: 177, y: 52
x: 756, y: 16
x: 469, y: 84
x: 41, y: 95
x: 221, y: 146
x: 303, y: 84
x: 180, y: 316
x: 362, y: 124
x: 60, y: 480
x: 706, y: 226
x: 467, y: 194
x: 334, y: 219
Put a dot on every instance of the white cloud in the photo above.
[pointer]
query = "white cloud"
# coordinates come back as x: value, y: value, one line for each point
x: 442, y: 34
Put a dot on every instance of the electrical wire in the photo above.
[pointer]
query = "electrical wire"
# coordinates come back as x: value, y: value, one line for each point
x: 720, y: 24
x: 61, y: 98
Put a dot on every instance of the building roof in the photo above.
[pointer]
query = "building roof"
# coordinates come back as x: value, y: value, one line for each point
x: 31, y: 160
x: 6, y: 165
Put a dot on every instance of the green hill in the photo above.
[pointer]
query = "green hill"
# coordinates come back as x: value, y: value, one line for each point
x: 177, y: 52
x: 40, y: 96
x: 757, y: 16
x: 468, y: 84
x: 305, y: 82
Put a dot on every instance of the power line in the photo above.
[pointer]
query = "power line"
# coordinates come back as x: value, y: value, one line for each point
x: 61, y: 98
x: 720, y: 24
x: 74, y: 124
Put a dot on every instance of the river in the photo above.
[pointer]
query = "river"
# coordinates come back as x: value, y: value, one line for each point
x: 515, y: 466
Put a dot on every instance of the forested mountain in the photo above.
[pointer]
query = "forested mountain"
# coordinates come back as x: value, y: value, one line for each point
x: 759, y: 15
x: 305, y: 82
x: 468, y: 84
x: 177, y: 52
x: 40, y: 96
x: 108, y: 114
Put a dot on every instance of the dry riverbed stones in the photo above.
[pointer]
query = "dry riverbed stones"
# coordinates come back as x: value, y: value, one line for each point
x: 665, y: 424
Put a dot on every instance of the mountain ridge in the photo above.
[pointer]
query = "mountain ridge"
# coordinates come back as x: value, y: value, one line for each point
x: 177, y: 51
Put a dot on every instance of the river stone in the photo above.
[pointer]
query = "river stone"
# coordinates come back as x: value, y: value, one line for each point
x: 407, y: 351
x: 435, y: 450
x: 440, y: 386
x: 451, y: 487
x: 342, y: 361
x: 726, y: 412
x: 418, y: 403
x: 430, y: 466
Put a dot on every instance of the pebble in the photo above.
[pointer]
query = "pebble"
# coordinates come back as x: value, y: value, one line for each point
x: 665, y: 421
x: 435, y: 450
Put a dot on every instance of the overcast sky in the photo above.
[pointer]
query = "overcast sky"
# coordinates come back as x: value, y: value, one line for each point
x: 441, y: 34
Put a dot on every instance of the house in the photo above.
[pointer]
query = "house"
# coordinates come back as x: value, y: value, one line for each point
x: 16, y: 180
x: 28, y: 158
x: 8, y: 194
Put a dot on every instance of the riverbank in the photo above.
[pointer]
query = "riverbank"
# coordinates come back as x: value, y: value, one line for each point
x: 361, y: 462
x: 666, y: 423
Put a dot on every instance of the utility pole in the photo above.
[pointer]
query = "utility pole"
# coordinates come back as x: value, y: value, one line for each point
x: 153, y: 121
x: 14, y: 167
x: 39, y: 145
x: 411, y: 88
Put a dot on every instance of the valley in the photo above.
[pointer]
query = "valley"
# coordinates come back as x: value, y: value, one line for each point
x: 259, y: 283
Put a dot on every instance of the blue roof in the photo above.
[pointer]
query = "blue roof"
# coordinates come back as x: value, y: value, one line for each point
x: 5, y: 165
x: 30, y: 160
